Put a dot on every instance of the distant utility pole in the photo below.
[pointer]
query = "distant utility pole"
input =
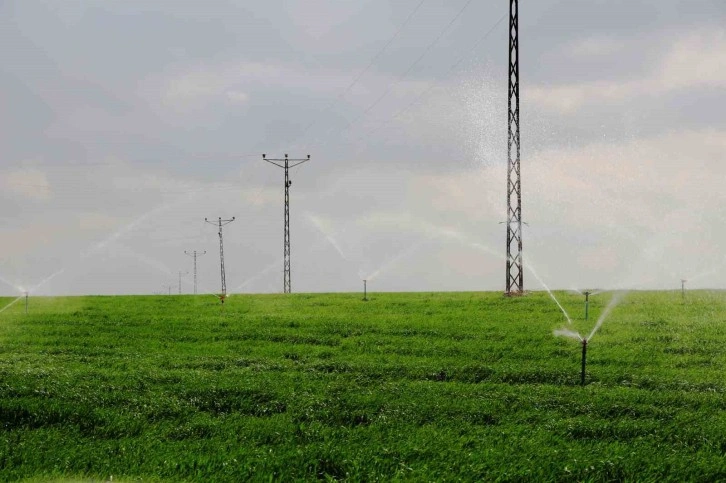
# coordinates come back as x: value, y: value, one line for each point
x: 220, y: 223
x: 180, y: 274
x: 286, y: 163
x: 194, y: 255
x: 168, y: 287
x: 683, y: 288
x: 515, y: 272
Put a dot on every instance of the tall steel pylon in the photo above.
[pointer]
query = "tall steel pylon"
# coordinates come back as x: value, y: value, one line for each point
x: 286, y: 164
x: 220, y: 223
x: 515, y: 272
x: 180, y: 276
x: 194, y: 255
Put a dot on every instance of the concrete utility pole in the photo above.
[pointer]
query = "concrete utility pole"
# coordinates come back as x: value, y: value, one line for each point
x: 515, y: 272
x: 286, y: 163
x: 194, y: 255
x: 220, y: 223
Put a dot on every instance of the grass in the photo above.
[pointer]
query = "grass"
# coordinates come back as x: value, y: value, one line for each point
x: 420, y: 386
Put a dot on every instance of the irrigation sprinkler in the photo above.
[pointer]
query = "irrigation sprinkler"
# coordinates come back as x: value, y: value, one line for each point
x: 26, y: 302
x: 365, y: 290
x: 683, y: 289
x: 584, y: 359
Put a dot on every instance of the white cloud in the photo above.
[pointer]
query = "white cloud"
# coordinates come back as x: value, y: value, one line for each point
x: 28, y: 183
x: 237, y: 96
x: 695, y: 60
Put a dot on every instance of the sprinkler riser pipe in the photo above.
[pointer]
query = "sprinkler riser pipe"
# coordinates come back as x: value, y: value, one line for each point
x: 587, y: 305
x: 584, y: 359
x: 365, y: 290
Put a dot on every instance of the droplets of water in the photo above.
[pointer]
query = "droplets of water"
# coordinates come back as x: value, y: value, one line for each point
x: 567, y: 333
x: 11, y: 304
x: 615, y: 300
x: 539, y: 279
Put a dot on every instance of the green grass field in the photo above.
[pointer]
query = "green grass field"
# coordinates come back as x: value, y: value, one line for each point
x: 424, y: 386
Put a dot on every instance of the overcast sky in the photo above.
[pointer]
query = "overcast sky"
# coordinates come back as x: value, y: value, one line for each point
x: 124, y: 123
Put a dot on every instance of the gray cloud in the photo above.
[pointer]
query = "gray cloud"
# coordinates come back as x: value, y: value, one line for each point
x: 131, y: 121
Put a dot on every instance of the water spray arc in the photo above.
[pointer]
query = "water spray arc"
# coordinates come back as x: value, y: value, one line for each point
x: 515, y: 272
x: 286, y: 163
x: 220, y: 223
x: 194, y: 255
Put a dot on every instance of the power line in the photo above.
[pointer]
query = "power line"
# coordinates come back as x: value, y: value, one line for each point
x: 361, y: 73
x: 391, y: 86
x: 434, y: 84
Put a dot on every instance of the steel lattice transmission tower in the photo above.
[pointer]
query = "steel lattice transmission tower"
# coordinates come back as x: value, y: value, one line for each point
x: 286, y: 163
x: 515, y: 272
x: 194, y: 255
x: 220, y: 223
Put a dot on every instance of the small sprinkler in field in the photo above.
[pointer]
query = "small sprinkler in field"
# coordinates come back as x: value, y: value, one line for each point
x: 584, y: 359
x: 222, y: 297
x: 26, y: 302
x: 587, y: 294
x: 683, y: 289
x: 365, y: 290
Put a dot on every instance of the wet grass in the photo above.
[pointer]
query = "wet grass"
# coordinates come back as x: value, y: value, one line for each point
x: 425, y: 386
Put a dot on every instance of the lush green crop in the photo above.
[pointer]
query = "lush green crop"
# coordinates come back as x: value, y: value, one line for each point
x: 441, y: 386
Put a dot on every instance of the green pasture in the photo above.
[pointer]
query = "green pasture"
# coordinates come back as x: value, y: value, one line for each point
x: 405, y: 386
